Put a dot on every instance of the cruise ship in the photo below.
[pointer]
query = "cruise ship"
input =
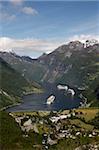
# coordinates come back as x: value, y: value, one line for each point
x: 50, y: 99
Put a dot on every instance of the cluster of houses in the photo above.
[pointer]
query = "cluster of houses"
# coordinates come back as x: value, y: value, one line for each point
x: 56, y: 123
x: 55, y: 119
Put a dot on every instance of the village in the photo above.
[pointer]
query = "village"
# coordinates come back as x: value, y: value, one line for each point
x: 55, y: 126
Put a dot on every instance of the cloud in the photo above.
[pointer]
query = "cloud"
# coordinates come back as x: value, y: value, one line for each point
x: 30, y: 47
x: 82, y: 38
x: 5, y: 16
x: 16, y: 2
x: 29, y: 11
x: 39, y: 45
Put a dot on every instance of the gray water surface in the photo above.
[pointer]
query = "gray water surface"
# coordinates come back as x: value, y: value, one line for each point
x: 35, y: 102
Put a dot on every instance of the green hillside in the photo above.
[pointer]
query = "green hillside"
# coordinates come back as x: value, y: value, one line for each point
x: 10, y: 133
x: 11, y: 81
x: 13, y: 85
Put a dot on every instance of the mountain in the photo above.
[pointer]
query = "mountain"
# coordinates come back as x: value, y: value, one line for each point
x: 67, y: 64
x: 28, y: 67
x: 75, y: 64
x: 12, y: 85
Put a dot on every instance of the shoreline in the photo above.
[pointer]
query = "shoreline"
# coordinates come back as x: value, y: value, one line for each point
x: 6, y: 107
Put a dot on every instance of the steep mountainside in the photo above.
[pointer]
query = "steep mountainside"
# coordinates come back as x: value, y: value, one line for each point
x: 12, y: 84
x: 71, y: 64
x: 29, y: 68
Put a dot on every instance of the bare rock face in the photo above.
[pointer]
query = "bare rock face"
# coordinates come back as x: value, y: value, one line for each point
x: 76, y: 45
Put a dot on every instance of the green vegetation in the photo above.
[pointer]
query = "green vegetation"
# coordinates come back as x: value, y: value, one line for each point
x: 11, y: 81
x: 81, y: 124
x: 69, y: 144
x: 87, y: 113
x: 6, y: 100
x: 95, y: 121
x: 34, y: 113
x: 10, y: 133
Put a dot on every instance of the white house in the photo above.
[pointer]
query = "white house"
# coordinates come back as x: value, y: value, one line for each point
x: 77, y: 133
x: 54, y: 119
x: 63, y: 116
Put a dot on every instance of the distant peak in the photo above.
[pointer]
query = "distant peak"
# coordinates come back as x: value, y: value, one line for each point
x: 76, y: 44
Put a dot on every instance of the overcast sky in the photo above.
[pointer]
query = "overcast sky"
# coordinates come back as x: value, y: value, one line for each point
x: 31, y: 28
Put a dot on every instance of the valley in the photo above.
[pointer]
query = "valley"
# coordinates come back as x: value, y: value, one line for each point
x: 52, y: 101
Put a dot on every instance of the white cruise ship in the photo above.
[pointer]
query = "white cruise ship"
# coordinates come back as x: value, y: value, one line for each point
x: 50, y: 99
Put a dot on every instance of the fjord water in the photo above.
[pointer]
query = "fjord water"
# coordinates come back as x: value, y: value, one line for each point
x: 35, y: 102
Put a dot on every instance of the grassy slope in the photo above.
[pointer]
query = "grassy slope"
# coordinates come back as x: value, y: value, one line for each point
x: 7, y: 100
x: 11, y: 81
x: 88, y: 113
x: 71, y: 144
x: 10, y: 133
